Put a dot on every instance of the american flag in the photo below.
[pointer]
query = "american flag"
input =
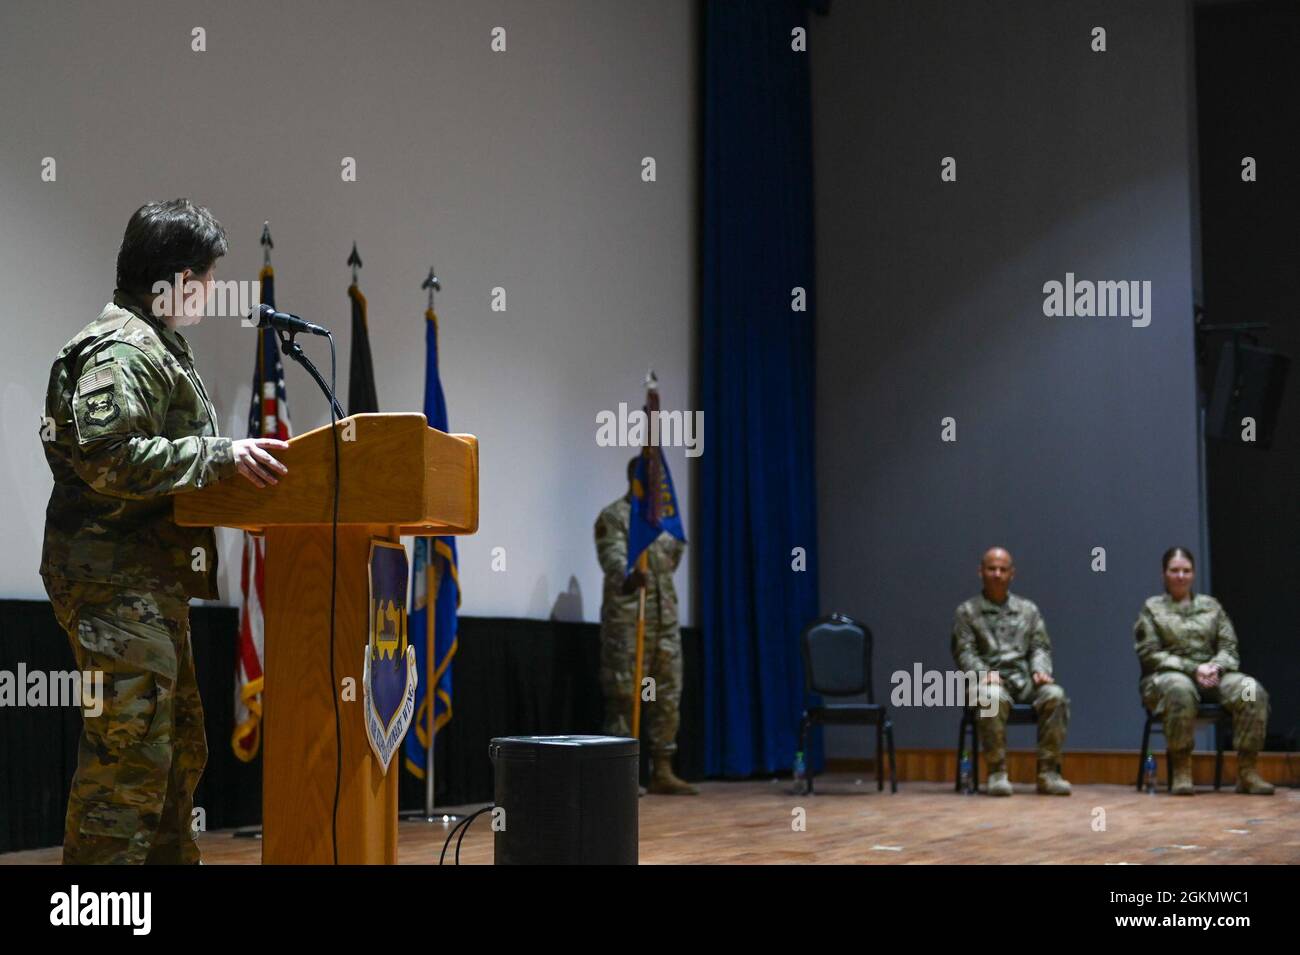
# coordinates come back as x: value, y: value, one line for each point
x: 268, y: 417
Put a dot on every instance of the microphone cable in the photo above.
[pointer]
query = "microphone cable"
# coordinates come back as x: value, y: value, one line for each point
x: 334, y: 579
x: 293, y: 350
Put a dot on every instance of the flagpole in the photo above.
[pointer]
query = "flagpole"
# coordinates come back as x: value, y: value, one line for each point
x: 649, y: 493
x: 431, y: 283
x: 643, y: 566
x: 430, y: 812
x: 429, y: 698
x: 430, y: 608
x: 259, y: 409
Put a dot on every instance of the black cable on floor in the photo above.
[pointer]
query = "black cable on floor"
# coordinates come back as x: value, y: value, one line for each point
x: 463, y: 827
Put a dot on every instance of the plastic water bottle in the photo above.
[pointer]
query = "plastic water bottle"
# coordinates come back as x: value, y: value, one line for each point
x: 965, y: 773
x: 800, y: 773
x: 1149, y: 773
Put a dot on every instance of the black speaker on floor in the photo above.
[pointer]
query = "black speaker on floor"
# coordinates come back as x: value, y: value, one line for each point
x: 568, y: 800
x: 1248, y: 383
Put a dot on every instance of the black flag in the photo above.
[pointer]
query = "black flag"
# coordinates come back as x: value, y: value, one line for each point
x: 361, y: 377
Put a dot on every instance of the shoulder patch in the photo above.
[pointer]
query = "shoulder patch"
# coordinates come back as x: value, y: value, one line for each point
x: 97, y: 378
x: 98, y: 403
x: 101, y: 410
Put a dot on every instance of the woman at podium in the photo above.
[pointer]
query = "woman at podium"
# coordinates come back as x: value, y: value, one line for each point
x: 127, y: 424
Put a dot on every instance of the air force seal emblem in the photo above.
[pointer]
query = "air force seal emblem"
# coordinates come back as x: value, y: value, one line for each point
x: 389, y: 679
x: 101, y: 409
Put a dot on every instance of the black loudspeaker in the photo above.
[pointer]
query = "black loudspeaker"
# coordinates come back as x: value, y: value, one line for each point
x: 568, y: 800
x: 1248, y: 383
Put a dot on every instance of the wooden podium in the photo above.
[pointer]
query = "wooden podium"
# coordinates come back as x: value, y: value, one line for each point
x: 397, y: 476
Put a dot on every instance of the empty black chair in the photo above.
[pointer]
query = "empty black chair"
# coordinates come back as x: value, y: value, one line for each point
x: 1021, y: 714
x: 837, y: 663
x: 1205, y: 712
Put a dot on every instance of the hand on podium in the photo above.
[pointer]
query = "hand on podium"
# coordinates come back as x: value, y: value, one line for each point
x: 254, y: 462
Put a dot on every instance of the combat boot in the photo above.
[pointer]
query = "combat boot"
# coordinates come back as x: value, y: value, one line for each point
x: 999, y: 785
x: 1248, y: 777
x: 1050, y: 782
x: 665, y: 783
x: 1181, y: 764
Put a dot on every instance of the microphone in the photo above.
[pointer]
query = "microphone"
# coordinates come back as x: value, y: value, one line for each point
x: 291, y: 325
x: 267, y: 317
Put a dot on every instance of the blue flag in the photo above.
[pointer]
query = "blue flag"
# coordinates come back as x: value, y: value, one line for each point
x: 435, y: 592
x: 654, y: 505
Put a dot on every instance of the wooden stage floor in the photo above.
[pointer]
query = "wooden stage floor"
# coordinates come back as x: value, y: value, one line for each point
x: 849, y: 822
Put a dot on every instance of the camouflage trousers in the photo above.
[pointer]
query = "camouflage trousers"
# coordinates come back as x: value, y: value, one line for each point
x: 1173, y: 697
x: 661, y: 662
x: 1053, y: 709
x: 140, y: 759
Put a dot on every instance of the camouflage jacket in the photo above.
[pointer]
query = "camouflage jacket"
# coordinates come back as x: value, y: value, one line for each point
x: 664, y: 555
x: 1010, y: 638
x: 128, y: 423
x: 1180, y: 637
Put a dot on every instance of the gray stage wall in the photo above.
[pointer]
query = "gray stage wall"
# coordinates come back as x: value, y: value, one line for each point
x: 1072, y: 433
x: 519, y: 169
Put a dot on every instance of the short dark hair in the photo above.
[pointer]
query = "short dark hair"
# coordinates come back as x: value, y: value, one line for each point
x: 166, y: 238
x: 1173, y: 552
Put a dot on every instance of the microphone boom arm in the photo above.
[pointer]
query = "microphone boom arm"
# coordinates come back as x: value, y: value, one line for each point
x: 291, y: 348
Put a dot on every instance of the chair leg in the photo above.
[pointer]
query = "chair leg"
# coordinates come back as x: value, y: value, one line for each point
x: 809, y: 767
x: 1142, y: 753
x: 804, y: 726
x: 880, y: 769
x: 893, y: 765
x: 1218, y: 754
x: 961, y: 744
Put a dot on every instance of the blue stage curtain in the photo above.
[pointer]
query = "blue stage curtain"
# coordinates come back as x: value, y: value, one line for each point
x: 757, y: 493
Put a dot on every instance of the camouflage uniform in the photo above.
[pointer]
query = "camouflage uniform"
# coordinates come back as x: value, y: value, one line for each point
x: 1011, y: 639
x: 662, y: 657
x: 131, y: 425
x: 1172, y: 640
